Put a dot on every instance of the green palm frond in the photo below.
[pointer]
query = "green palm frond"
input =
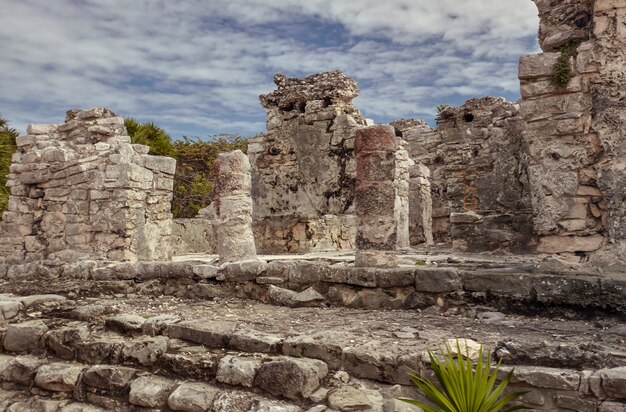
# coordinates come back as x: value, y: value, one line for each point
x: 463, y: 386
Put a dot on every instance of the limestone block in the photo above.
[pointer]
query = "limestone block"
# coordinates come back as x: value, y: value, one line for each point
x: 227, y: 401
x: 25, y: 336
x: 537, y: 87
x: 606, y: 5
x: 58, y: 377
x: 290, y: 377
x: 192, y: 397
x: 559, y: 244
x: 38, y: 129
x: 348, y: 398
x: 551, y: 378
x: 609, y: 406
x: 21, y: 369
x: 22, y: 141
x: 160, y: 163
x: 614, y: 382
x: 236, y: 370
x: 145, y: 350
x: 537, y: 65
x: 572, y: 104
x: 151, y: 391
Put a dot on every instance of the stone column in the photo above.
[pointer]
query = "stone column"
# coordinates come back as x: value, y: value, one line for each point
x: 233, y: 208
x: 420, y: 205
x: 375, y: 196
x: 401, y: 181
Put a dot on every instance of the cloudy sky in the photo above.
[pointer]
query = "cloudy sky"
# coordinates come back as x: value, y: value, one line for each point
x: 197, y: 67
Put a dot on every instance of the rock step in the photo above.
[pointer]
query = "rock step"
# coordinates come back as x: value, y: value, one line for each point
x: 74, y: 342
x: 247, y: 367
x: 35, y: 383
x: 303, y: 381
x: 522, y: 287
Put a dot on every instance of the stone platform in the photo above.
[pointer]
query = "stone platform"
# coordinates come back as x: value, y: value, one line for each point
x: 303, y: 333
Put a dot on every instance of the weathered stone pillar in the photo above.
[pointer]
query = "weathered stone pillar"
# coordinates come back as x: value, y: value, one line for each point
x: 401, y: 181
x: 233, y: 208
x: 420, y: 205
x: 375, y: 196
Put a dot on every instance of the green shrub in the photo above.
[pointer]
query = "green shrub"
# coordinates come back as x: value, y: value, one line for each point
x: 440, y: 109
x: 7, y: 148
x: 195, y: 170
x: 463, y: 388
x: 561, y: 71
x: 195, y: 162
x: 151, y: 135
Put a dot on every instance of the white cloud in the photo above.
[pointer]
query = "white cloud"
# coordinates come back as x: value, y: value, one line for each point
x: 195, y: 66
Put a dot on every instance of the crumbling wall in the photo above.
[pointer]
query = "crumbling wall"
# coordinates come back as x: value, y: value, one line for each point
x: 575, y: 132
x: 82, y: 190
x: 303, y: 167
x: 487, y: 189
x: 476, y: 160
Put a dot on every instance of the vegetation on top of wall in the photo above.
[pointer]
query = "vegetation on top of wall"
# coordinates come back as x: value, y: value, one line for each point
x: 195, y: 167
x: 562, y: 71
x: 7, y: 148
x: 440, y: 109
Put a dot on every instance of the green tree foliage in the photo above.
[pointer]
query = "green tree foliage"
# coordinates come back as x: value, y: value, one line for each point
x: 464, y: 388
x: 7, y: 148
x: 151, y: 135
x: 195, y: 170
x: 195, y: 167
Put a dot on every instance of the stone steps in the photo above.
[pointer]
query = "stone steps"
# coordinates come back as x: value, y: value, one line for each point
x: 39, y: 383
x: 241, y: 346
x: 524, y: 287
x: 84, y: 355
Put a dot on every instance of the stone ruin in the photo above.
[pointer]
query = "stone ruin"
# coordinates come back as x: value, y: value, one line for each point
x: 575, y: 135
x: 545, y: 174
x: 303, y: 167
x: 82, y: 190
x: 85, y: 324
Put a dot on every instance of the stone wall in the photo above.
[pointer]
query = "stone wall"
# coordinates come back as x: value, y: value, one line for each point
x: 485, y: 176
x: 476, y: 162
x: 193, y: 235
x: 303, y: 167
x: 82, y: 190
x: 576, y: 133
